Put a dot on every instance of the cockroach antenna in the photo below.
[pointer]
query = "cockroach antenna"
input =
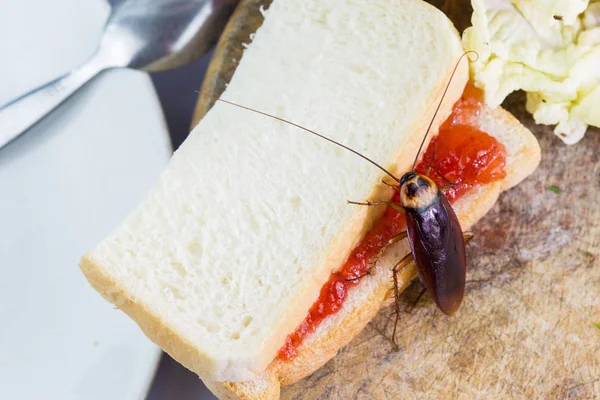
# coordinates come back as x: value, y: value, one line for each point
x: 440, y: 104
x: 307, y: 130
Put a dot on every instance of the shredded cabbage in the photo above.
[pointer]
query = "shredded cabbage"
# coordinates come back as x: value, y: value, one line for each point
x: 550, y: 49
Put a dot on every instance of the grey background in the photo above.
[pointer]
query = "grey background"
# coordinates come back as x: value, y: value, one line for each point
x: 176, y: 90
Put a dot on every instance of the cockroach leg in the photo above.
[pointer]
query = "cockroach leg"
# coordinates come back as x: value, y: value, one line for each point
x: 395, y: 187
x: 403, y: 263
x: 382, y: 332
x: 393, y: 340
x: 414, y: 304
x: 368, y: 203
x: 432, y: 159
x: 471, y: 281
x: 450, y: 183
x: 437, y: 171
x: 467, y: 236
x: 394, y: 239
x: 354, y: 279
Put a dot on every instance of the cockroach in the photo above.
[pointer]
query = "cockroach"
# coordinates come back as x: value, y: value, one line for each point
x: 436, y: 239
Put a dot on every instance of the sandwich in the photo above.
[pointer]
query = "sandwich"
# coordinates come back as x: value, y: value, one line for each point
x: 238, y: 263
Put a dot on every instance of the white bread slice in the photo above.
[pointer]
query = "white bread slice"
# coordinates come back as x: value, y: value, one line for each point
x: 373, y: 292
x: 231, y: 247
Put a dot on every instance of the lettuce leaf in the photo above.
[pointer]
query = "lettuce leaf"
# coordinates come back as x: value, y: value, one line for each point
x: 550, y: 49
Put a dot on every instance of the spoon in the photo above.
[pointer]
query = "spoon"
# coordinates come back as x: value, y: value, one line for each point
x: 149, y: 35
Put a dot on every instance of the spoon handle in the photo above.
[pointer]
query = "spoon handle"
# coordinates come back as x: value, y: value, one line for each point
x: 19, y: 115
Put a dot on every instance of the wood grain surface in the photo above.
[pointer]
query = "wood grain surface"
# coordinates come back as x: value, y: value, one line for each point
x: 526, y: 330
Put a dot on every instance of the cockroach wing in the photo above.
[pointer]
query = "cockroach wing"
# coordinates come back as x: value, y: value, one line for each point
x: 438, y: 248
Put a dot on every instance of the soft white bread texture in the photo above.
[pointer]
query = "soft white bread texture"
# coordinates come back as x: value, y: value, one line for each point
x: 231, y: 247
x: 373, y: 292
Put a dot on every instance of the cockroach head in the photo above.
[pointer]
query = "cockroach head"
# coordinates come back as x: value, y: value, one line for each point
x: 417, y: 192
x: 406, y: 177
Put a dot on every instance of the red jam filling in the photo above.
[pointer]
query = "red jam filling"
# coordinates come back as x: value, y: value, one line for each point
x: 457, y: 159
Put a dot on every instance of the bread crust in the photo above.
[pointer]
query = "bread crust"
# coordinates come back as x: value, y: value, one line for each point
x: 152, y: 326
x: 339, y: 329
x: 524, y: 161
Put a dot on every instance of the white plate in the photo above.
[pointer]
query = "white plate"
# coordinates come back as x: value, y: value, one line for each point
x: 63, y: 186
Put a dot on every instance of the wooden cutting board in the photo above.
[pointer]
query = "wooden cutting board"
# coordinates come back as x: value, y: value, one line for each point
x: 525, y: 333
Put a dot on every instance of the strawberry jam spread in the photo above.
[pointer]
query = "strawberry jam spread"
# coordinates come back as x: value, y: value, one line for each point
x: 457, y: 159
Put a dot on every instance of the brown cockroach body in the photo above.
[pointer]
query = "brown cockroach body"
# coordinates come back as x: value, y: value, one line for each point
x: 436, y: 240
